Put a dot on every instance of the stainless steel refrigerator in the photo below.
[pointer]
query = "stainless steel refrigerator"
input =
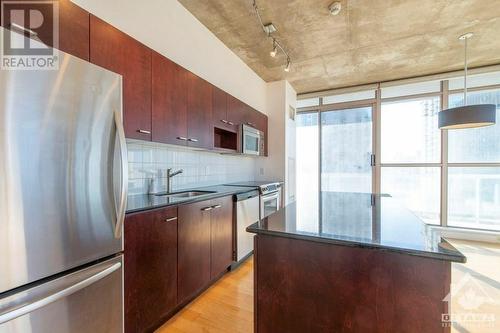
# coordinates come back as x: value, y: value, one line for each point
x: 63, y: 184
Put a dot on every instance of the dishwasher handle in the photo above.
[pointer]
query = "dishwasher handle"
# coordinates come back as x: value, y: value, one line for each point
x: 246, y: 195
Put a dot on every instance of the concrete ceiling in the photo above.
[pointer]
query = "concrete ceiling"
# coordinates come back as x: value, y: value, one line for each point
x: 369, y: 41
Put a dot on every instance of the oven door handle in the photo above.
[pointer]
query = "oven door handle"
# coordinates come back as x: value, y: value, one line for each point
x: 271, y: 196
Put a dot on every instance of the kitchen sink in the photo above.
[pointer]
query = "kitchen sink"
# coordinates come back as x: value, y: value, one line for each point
x: 185, y: 194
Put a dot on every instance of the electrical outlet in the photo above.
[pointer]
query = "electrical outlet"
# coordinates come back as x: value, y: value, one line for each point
x: 262, y: 171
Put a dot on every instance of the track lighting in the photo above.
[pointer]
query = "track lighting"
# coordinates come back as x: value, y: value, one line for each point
x: 269, y: 29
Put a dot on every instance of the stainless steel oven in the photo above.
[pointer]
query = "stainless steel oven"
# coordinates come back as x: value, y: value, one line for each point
x: 270, y: 199
x: 252, y: 141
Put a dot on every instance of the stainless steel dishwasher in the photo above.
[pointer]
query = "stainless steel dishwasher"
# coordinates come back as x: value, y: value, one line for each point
x: 247, y: 213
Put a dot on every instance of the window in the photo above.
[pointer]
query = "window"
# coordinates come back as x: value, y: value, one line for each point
x: 474, y: 197
x: 475, y: 145
x: 474, y: 169
x: 307, y: 164
x: 410, y: 132
x: 411, y: 154
x: 417, y: 188
x: 418, y: 164
x: 346, y: 149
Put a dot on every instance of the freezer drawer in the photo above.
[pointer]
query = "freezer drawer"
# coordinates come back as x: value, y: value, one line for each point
x: 88, y: 300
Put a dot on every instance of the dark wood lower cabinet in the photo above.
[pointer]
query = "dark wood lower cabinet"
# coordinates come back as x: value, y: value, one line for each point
x: 304, y: 286
x: 221, y: 236
x: 205, y: 244
x: 150, y: 269
x: 171, y: 255
x: 194, y: 249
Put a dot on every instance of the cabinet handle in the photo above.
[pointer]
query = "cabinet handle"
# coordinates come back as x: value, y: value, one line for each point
x: 144, y: 131
x: 230, y: 123
x: 207, y: 209
x: 170, y: 219
x: 22, y: 29
x: 251, y: 124
x: 216, y: 206
x: 182, y: 138
x: 224, y: 121
x: 193, y: 140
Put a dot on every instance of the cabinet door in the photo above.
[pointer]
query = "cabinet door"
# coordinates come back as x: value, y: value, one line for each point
x: 150, y: 268
x: 221, y: 236
x: 220, y: 110
x: 74, y: 29
x: 73, y: 25
x: 200, y: 129
x: 112, y: 49
x: 169, y: 101
x: 193, y: 268
x: 235, y: 111
x: 261, y: 121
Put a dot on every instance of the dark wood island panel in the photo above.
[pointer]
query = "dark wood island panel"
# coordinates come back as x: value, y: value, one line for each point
x: 304, y: 286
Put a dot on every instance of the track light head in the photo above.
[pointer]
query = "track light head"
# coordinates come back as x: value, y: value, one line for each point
x: 288, y: 65
x: 275, y: 50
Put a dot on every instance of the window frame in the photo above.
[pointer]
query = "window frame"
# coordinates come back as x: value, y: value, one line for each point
x: 376, y: 105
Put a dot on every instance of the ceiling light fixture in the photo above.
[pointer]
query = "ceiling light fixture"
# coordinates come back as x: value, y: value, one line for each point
x: 268, y: 30
x: 467, y: 116
x: 335, y: 8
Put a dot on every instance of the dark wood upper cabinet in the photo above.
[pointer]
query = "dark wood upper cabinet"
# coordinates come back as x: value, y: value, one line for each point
x: 262, y: 124
x: 221, y: 236
x: 193, y: 269
x: 73, y: 25
x: 220, y: 110
x: 150, y: 268
x: 199, y: 106
x: 112, y: 49
x: 235, y: 110
x: 74, y: 29
x: 169, y: 101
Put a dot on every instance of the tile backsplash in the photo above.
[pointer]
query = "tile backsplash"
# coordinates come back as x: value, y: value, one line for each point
x: 201, y: 168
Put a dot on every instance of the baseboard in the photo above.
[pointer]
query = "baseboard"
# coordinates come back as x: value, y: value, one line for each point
x: 468, y: 234
x: 236, y: 264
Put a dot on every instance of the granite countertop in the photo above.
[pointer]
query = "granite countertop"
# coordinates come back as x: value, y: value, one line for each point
x: 358, y: 219
x: 142, y: 202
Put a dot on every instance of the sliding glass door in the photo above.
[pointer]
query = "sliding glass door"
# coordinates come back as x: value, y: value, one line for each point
x: 346, y: 150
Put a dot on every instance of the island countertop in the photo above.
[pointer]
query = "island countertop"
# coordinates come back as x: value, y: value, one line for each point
x: 360, y: 220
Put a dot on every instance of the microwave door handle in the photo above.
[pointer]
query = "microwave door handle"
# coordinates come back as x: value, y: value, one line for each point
x: 32, y: 305
x: 122, y: 203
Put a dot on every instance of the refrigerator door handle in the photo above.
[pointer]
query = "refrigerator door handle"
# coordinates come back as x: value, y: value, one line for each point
x: 30, y: 306
x: 122, y: 204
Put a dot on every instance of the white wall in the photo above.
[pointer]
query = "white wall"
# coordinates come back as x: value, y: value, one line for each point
x: 168, y: 28
x: 281, y: 138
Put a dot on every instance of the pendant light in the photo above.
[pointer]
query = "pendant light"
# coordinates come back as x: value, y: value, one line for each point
x: 467, y: 116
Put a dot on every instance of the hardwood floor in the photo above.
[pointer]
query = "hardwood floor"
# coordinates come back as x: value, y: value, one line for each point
x: 226, y: 307
x: 475, y: 288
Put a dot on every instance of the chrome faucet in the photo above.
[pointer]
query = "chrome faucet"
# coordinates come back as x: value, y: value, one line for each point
x: 171, y: 174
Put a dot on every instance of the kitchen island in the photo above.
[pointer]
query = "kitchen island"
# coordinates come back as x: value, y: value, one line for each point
x: 363, y: 264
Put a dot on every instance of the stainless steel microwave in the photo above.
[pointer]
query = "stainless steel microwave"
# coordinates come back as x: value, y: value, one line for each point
x: 252, y: 141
